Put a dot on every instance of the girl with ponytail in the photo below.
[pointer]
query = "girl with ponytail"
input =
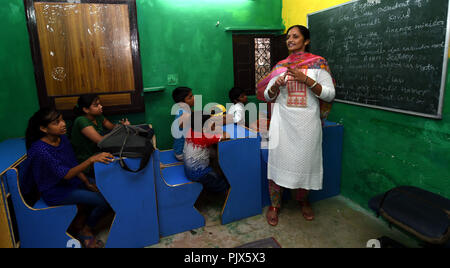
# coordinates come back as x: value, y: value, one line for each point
x: 89, y: 127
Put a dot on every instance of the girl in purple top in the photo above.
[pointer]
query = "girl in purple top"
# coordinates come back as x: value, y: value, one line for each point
x: 58, y: 176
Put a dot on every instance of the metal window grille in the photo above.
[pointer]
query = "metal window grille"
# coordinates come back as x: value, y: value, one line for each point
x: 262, y: 58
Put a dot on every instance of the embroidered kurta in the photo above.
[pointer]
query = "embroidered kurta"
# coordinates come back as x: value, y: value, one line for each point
x: 295, y: 134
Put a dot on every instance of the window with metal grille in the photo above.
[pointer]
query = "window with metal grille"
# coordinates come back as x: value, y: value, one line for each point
x: 254, y: 57
x: 262, y: 58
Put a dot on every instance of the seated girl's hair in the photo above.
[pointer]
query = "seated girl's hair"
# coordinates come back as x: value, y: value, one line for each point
x: 41, y: 118
x: 84, y: 101
x: 180, y: 93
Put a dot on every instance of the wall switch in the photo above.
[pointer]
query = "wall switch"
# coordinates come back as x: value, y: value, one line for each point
x: 172, y: 79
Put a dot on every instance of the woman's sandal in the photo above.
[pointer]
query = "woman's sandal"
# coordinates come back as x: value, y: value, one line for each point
x: 307, y: 211
x: 88, y: 241
x: 272, y: 220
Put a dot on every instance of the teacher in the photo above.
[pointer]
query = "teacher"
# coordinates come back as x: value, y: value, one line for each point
x: 302, y: 89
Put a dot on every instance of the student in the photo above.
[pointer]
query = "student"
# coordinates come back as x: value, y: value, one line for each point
x: 57, y: 174
x: 239, y: 98
x: 183, y: 97
x: 198, y: 142
x: 89, y: 127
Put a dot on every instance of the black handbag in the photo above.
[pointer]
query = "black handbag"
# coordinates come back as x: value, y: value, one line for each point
x: 129, y: 141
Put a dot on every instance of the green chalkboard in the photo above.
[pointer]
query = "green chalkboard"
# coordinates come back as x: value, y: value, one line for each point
x: 387, y: 54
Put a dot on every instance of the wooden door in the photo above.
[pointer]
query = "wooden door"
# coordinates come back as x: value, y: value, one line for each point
x: 88, y: 47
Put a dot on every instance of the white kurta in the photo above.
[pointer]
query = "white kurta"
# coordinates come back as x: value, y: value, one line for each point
x: 295, y: 137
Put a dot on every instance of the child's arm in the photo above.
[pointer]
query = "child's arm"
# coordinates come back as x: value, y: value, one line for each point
x: 92, y: 134
x: 105, y: 158
x: 107, y: 124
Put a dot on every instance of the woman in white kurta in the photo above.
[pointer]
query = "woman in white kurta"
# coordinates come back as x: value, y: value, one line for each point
x: 299, y: 87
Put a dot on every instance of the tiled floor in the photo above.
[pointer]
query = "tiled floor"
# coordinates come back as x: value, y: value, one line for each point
x: 339, y: 223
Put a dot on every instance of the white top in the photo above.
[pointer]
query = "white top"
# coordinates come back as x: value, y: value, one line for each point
x: 295, y: 136
x: 238, y: 112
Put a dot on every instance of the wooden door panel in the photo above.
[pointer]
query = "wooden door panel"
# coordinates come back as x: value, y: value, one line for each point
x: 85, y: 48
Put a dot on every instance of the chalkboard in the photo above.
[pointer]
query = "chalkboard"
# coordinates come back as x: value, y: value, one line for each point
x: 386, y: 54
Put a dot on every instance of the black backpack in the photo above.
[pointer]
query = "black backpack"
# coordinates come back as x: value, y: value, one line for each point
x: 129, y: 141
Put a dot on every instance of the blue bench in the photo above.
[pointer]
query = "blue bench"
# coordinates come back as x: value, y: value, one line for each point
x: 176, y: 196
x: 39, y: 226
x: 167, y: 157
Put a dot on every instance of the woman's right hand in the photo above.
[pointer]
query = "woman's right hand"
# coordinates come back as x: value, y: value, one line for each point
x: 278, y: 83
x: 105, y: 158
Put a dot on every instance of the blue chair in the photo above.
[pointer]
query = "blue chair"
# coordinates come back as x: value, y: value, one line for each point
x: 167, y: 157
x: 39, y: 226
x: 176, y: 196
x: 132, y: 197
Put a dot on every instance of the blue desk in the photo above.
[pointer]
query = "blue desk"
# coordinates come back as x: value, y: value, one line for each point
x: 239, y: 159
x: 11, y: 151
x: 132, y: 197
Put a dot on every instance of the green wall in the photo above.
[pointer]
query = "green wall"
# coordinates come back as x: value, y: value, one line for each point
x: 176, y: 37
x: 385, y: 149
x: 181, y: 37
x: 18, y: 93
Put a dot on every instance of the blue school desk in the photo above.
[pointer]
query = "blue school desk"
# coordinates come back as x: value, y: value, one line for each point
x: 332, y: 139
x: 11, y: 151
x: 176, y: 197
x: 132, y: 197
x: 239, y: 159
x: 39, y: 226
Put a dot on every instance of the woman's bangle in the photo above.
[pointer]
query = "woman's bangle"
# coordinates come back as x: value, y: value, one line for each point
x: 313, y: 85
x: 306, y: 79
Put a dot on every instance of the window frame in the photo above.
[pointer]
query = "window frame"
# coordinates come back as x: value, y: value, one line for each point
x: 275, y: 55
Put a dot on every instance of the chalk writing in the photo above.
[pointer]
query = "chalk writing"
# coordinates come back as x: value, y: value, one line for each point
x: 385, y: 53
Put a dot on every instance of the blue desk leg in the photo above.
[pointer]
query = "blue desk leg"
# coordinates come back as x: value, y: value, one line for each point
x: 132, y: 197
x: 240, y: 161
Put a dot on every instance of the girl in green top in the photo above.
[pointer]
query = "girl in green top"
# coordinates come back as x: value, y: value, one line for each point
x: 89, y: 127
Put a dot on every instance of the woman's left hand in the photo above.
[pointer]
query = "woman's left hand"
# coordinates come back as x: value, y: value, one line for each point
x: 296, y: 74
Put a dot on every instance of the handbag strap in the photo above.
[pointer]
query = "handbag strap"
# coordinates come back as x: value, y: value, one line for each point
x: 148, y: 152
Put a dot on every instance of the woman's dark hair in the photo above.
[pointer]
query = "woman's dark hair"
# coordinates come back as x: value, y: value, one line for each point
x: 41, y: 118
x: 84, y: 101
x: 234, y: 93
x: 204, y: 118
x: 306, y: 35
x: 180, y: 93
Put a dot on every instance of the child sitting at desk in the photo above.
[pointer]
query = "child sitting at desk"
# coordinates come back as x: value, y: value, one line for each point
x: 89, y: 127
x: 199, y: 139
x: 239, y: 98
x: 183, y: 97
x: 57, y: 174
